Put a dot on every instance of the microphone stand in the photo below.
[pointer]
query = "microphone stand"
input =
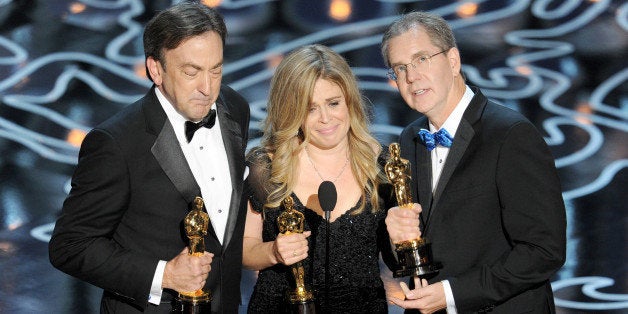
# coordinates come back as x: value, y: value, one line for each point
x: 327, y: 197
x: 327, y: 214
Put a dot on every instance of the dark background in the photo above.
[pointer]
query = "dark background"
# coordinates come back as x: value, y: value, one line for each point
x: 65, y: 66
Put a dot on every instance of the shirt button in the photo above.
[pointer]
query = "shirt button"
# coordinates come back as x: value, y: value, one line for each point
x: 201, y: 148
x: 212, y: 178
x: 220, y: 211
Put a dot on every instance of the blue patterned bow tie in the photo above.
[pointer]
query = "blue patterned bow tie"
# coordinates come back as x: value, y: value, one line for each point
x: 441, y: 137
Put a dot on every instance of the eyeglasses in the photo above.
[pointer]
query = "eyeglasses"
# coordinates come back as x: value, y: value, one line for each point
x: 421, y: 62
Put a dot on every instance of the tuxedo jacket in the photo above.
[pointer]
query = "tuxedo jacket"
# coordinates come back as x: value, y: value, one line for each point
x: 131, y: 190
x: 496, y: 218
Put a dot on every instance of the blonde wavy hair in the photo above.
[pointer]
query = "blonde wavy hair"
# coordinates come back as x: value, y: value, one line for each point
x: 291, y: 91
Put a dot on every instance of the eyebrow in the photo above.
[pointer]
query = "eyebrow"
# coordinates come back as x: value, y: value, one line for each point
x: 195, y: 66
x: 189, y: 65
x: 328, y: 99
x: 416, y: 54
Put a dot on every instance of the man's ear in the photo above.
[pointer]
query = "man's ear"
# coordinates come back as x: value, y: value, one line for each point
x: 453, y: 55
x: 155, y: 70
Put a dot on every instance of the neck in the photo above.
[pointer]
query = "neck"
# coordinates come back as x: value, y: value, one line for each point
x: 324, y: 155
x: 457, y: 91
x: 330, y: 164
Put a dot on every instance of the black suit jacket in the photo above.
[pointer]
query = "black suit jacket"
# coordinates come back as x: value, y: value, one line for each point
x: 130, y: 192
x: 496, y: 219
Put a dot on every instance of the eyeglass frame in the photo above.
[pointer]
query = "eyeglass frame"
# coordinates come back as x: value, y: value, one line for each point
x: 393, y: 76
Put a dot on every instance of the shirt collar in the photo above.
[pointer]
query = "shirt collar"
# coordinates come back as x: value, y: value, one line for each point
x: 175, y: 118
x: 452, y: 122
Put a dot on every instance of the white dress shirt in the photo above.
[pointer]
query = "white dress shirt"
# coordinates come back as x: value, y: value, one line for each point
x: 207, y: 158
x: 439, y: 159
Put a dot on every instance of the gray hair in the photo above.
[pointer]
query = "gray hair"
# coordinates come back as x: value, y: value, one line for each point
x: 435, y: 26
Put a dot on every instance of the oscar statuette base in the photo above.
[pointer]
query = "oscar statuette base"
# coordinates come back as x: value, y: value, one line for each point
x: 306, y: 307
x: 301, y: 301
x: 184, y: 304
x: 415, y: 259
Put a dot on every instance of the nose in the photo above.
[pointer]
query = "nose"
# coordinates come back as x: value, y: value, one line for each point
x: 325, y: 115
x: 205, y: 84
x: 412, y: 73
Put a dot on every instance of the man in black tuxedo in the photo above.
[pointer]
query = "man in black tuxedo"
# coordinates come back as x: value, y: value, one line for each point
x: 139, y: 171
x: 489, y: 193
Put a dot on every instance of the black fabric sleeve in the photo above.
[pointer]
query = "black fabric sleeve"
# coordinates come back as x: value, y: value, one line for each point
x: 256, y: 185
x: 386, y: 200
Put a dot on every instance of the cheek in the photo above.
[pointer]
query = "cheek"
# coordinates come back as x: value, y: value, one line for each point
x: 171, y: 81
x: 403, y: 88
x: 217, y: 81
x: 344, y: 115
x: 445, y: 76
x: 405, y: 94
x: 183, y: 87
x: 309, y: 123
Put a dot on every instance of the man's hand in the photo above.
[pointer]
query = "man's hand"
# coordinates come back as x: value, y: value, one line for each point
x: 291, y: 248
x: 425, y: 298
x: 403, y: 223
x: 187, y: 273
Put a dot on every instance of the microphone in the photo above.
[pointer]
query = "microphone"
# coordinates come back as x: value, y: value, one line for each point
x: 327, y: 197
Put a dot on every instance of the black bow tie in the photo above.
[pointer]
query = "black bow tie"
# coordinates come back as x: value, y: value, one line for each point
x: 208, y: 122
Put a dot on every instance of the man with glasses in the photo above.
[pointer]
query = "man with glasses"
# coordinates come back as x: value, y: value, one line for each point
x: 489, y: 193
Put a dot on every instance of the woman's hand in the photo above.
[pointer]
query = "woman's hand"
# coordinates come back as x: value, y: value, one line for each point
x: 291, y: 248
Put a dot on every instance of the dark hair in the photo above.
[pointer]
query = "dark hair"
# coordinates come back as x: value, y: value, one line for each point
x: 172, y: 26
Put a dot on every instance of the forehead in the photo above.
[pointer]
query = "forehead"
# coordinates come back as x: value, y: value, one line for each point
x: 403, y: 47
x: 324, y: 88
x: 206, y: 47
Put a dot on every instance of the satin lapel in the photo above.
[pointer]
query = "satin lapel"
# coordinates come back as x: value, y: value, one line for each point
x: 463, y: 137
x: 424, y: 179
x: 170, y: 157
x: 232, y: 138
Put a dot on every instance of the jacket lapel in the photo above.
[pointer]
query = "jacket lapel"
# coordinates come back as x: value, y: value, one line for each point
x: 167, y: 151
x: 173, y: 163
x: 462, y: 139
x: 233, y: 140
x: 461, y: 142
x: 422, y: 174
x: 169, y: 155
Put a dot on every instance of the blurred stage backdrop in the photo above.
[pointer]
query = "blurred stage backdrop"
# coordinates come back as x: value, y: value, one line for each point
x: 65, y: 66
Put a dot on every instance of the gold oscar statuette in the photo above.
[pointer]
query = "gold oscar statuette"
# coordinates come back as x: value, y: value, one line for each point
x: 195, y: 223
x: 300, y: 300
x: 415, y: 255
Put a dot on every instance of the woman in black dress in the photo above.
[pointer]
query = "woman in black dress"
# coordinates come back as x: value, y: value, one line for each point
x: 317, y: 130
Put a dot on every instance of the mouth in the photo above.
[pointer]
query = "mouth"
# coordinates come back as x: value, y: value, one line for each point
x: 201, y: 106
x: 419, y: 92
x: 328, y: 130
x: 202, y: 102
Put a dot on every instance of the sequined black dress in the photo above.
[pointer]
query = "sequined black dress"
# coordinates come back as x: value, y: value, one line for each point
x: 355, y: 242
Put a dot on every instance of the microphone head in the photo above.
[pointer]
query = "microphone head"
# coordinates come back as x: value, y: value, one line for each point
x: 327, y: 196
